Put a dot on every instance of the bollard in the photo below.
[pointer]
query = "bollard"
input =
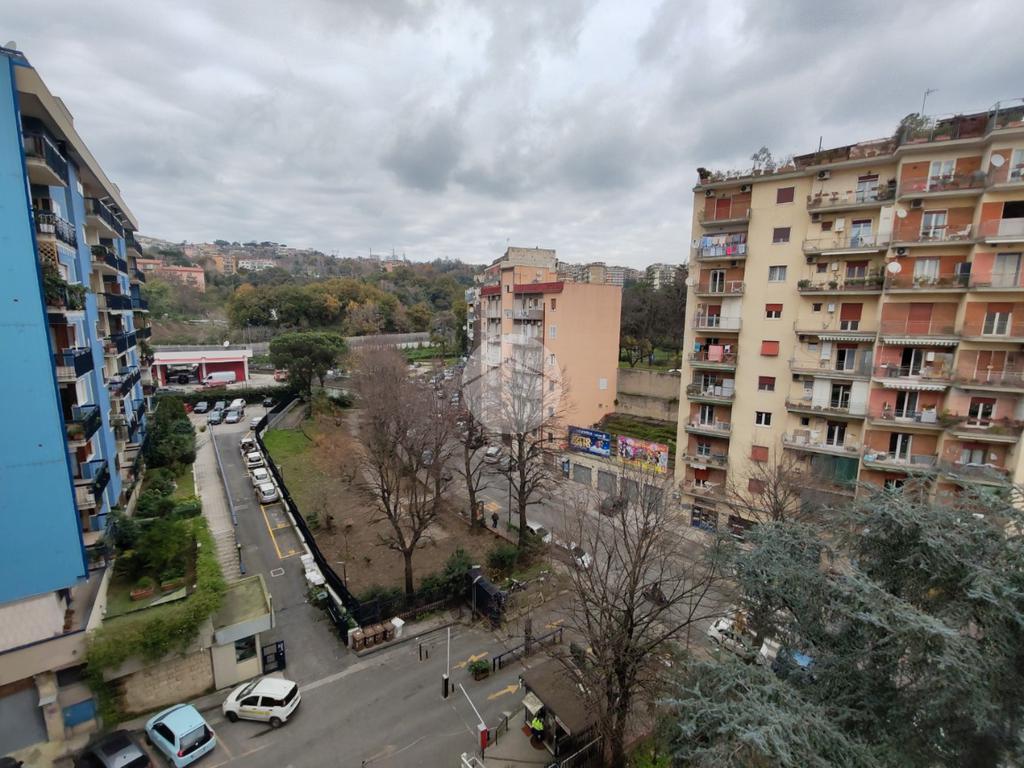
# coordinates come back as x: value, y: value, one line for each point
x: 444, y: 686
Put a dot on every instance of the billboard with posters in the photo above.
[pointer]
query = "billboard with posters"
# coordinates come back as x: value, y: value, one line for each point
x: 590, y: 441
x: 643, y: 454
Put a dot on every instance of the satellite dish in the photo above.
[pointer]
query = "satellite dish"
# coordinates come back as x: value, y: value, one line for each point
x: 997, y: 160
x: 901, y: 213
x: 893, y: 267
x: 227, y: 343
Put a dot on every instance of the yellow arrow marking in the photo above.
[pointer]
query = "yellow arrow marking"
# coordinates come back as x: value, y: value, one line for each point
x: 506, y: 690
x: 471, y: 659
x: 554, y: 624
x: 493, y: 506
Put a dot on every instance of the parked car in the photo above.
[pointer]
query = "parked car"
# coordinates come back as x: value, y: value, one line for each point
x: 232, y: 417
x: 724, y: 633
x: 215, y: 417
x: 793, y: 664
x: 267, y: 493
x: 247, y: 444
x: 254, y: 422
x: 238, y: 404
x: 201, y: 407
x: 220, y: 405
x: 181, y: 734
x: 260, y: 475
x: 117, y: 749
x: 492, y: 454
x: 580, y: 558
x: 220, y: 379
x: 270, y: 699
x: 253, y: 459
x: 538, y: 530
x: 268, y: 402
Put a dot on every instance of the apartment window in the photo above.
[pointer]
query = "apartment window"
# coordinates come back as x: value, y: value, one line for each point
x: 703, y: 448
x: 784, y: 194
x: 856, y: 269
x: 867, y: 188
x: 706, y: 414
x: 552, y: 331
x: 777, y: 273
x: 821, y: 267
x: 554, y: 304
x: 508, y: 287
x: 840, y: 396
x: 849, y: 316
x: 763, y: 418
x: 769, y: 349
x: 835, y: 434
x: 816, y: 306
x: 805, y: 421
x: 766, y: 383
x: 1017, y: 165
x: 759, y: 452
x: 846, y: 358
x: 997, y: 323
x: 933, y: 225
x: 941, y: 172
x: 981, y: 410
x: 826, y: 226
x: 780, y: 235
x: 602, y: 384
x: 755, y: 485
x: 773, y: 311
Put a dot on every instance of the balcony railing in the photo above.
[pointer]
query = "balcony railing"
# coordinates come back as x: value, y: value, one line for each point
x: 975, y: 472
x: 917, y: 328
x: 527, y: 314
x: 73, y: 363
x: 726, y: 359
x: 140, y: 304
x: 52, y: 224
x: 122, y: 342
x: 41, y: 147
x: 823, y: 201
x: 939, y: 371
x: 96, y: 207
x: 718, y: 427
x: 102, y: 253
x: 1010, y: 229
x: 138, y: 275
x: 717, y: 252
x: 126, y: 378
x: 716, y: 322
x: 139, y: 407
x: 716, y: 490
x: 131, y: 242
x: 144, y: 332
x: 1005, y: 427
x: 842, y: 242
x: 117, y: 301
x: 855, y: 284
x: 910, y: 281
x: 949, y: 183
x: 96, y: 473
x: 713, y: 458
x: 712, y: 391
x: 734, y: 212
x: 995, y: 327
x: 831, y: 407
x: 938, y: 234
x: 829, y: 367
x: 806, y: 443
x: 927, y: 417
x: 920, y: 462
x: 726, y: 288
x: 986, y: 377
x: 1003, y: 282
x: 84, y: 422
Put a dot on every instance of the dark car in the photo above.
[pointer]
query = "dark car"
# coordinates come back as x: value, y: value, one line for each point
x: 268, y: 402
x: 612, y: 505
x: 201, y: 407
x: 115, y: 750
x: 215, y: 417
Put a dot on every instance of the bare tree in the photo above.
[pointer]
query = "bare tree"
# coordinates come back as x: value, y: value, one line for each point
x: 642, y: 590
x: 779, y: 489
x: 398, y: 432
x: 472, y: 438
x: 440, y: 416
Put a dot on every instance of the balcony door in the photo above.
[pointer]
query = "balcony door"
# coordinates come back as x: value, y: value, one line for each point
x: 933, y: 225
x: 899, y: 446
x: 981, y: 411
x: 911, y: 361
x: 716, y: 281
x: 997, y: 322
x: 906, y: 405
x: 867, y: 187
x: 860, y: 232
x: 840, y: 397
x: 972, y: 454
x: 1006, y: 271
x: 835, y: 434
x: 706, y: 415
x: 926, y: 271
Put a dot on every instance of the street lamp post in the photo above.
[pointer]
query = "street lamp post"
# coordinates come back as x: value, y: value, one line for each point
x: 510, y: 495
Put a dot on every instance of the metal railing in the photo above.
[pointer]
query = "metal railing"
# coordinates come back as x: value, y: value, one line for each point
x: 997, y: 281
x: 821, y: 201
x: 131, y: 242
x: 140, y: 304
x: 941, y: 370
x: 42, y: 147
x: 122, y: 342
x: 702, y: 358
x: 723, y: 251
x: 527, y: 314
x: 84, y: 422
x: 974, y: 471
x: 72, y: 363
x: 716, y: 322
x: 51, y: 224
x: 943, y: 233
x: 124, y: 381
x: 117, y: 301
x: 717, y: 391
x: 110, y: 258
x: 945, y: 183
x: 921, y: 461
x: 989, y: 377
x: 96, y: 207
x: 144, y: 332
x: 994, y: 326
x: 717, y: 459
x: 869, y: 283
x: 958, y: 280
x: 721, y: 427
x: 801, y: 442
x: 929, y: 416
x: 728, y: 287
x: 861, y: 367
x: 97, y: 473
x: 1002, y: 228
x: 840, y: 242
x: 834, y: 405
x: 917, y: 328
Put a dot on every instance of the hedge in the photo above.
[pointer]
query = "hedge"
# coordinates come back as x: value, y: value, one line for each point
x: 250, y: 394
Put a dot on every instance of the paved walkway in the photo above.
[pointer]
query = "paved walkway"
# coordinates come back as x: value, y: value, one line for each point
x: 216, y: 510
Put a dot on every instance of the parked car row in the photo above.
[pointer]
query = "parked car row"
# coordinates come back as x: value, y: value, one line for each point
x: 262, y: 482
x: 729, y: 632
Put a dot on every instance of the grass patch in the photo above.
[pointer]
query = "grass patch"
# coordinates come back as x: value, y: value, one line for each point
x: 664, y: 360
x: 292, y: 451
x: 641, y: 428
x: 186, y: 485
x: 285, y: 444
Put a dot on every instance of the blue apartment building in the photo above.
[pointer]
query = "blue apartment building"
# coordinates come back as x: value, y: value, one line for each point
x: 71, y: 323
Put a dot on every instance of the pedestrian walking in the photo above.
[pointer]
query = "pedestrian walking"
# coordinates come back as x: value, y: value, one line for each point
x: 494, y: 520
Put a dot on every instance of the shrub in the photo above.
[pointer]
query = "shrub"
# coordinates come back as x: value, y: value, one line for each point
x: 146, y: 582
x: 124, y: 531
x: 377, y: 592
x: 249, y: 394
x: 161, y: 480
x: 502, y: 557
x: 190, y: 506
x: 152, y: 503
x: 451, y: 581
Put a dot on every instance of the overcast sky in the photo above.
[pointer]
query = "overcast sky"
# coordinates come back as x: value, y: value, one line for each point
x: 451, y: 128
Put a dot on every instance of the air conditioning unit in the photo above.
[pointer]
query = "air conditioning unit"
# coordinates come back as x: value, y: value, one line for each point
x: 815, y: 218
x: 902, y: 251
x: 916, y: 203
x: 822, y: 175
x: 709, y: 193
x: 839, y: 225
x: 745, y: 188
x: 810, y: 259
x: 834, y: 266
x: 831, y: 309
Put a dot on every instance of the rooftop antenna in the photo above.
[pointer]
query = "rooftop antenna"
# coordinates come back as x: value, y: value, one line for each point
x: 927, y: 92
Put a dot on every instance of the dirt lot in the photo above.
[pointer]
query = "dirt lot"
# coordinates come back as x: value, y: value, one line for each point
x: 320, y: 463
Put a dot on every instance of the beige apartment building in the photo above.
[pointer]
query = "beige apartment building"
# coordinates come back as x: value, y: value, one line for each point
x: 862, y: 310
x: 578, y: 323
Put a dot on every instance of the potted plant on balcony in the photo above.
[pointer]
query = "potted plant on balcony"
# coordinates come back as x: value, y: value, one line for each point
x: 803, y: 284
x: 833, y: 284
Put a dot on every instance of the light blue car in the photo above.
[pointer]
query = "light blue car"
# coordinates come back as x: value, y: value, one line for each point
x: 181, y: 733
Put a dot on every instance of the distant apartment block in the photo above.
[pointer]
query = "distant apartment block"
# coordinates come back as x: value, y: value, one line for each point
x: 523, y: 298
x: 862, y: 310
x: 72, y: 320
x: 256, y: 265
x: 194, y: 277
x: 662, y: 275
x: 596, y: 272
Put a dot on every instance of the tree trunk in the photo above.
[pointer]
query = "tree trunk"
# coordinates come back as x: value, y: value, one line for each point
x: 407, y: 556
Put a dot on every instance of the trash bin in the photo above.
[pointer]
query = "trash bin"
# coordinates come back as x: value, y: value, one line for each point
x: 399, y: 625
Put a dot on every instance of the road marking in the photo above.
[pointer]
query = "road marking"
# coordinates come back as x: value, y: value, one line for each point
x: 270, y: 531
x: 554, y: 624
x: 512, y: 688
x: 470, y: 660
x: 244, y: 754
x: 274, y: 573
x: 493, y: 506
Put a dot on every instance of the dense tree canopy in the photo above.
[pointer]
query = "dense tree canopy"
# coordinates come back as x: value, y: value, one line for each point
x: 652, y: 317
x: 306, y: 354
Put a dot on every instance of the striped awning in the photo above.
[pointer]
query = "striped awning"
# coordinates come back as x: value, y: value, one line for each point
x: 903, y: 341
x: 917, y: 386
x: 842, y: 336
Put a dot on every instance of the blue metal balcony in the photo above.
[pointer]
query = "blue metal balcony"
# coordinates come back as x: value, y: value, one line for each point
x: 51, y: 225
x: 84, y: 422
x: 46, y: 164
x: 73, y: 363
x: 102, y: 216
x: 106, y: 255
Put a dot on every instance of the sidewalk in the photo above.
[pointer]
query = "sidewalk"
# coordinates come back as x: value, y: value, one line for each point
x: 216, y: 510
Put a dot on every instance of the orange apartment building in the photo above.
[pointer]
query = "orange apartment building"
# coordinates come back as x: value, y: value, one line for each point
x: 861, y: 309
x: 578, y: 323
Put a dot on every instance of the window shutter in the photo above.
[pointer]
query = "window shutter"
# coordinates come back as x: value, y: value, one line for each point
x: 766, y: 382
x: 1000, y: 307
x: 850, y: 311
x: 784, y: 194
x: 755, y: 486
x: 770, y: 348
x: 759, y: 452
x: 772, y: 308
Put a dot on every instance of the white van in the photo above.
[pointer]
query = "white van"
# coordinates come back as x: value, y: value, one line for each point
x: 538, y: 530
x: 238, y: 404
x: 220, y: 379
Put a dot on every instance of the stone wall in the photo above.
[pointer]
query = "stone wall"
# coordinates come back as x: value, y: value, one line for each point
x: 169, y: 681
x: 650, y: 394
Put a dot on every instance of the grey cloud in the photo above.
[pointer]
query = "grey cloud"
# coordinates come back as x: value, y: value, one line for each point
x: 424, y: 157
